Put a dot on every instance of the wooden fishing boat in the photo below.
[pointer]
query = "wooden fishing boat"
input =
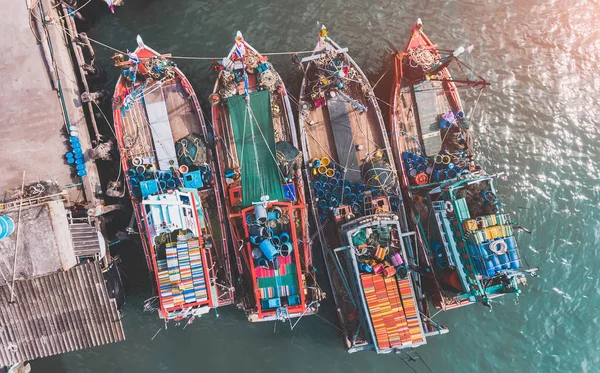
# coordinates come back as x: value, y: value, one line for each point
x: 170, y: 174
x: 452, y: 202
x: 257, y: 150
x: 358, y: 207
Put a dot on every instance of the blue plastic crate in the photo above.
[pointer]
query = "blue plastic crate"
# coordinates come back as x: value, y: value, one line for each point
x: 289, y: 191
x: 148, y: 187
x: 193, y: 180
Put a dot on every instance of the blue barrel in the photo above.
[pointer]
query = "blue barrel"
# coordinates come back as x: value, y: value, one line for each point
x: 410, y: 165
x: 490, y: 261
x: 162, y: 184
x: 418, y: 160
x: 284, y: 237
x: 7, y: 226
x: 496, y: 262
x: 490, y: 268
x: 421, y: 168
x: 78, y: 161
x: 275, y: 240
x: 476, y: 252
x: 262, y: 262
x: 338, y: 174
x: 336, y: 192
x: 286, y: 249
x: 70, y: 160
x: 333, y: 202
x: 268, y: 249
x: 81, y: 167
x: 347, y: 190
x: 74, y: 140
x: 206, y: 176
x: 170, y: 184
x: 323, y: 179
x: 504, y: 261
x: 407, y: 156
x: 328, y: 196
x: 70, y: 155
x: 352, y: 198
x: 320, y: 193
x: 361, y: 197
x: 131, y: 173
x: 317, y: 185
x: 140, y: 170
x: 326, y: 188
x: 513, y: 256
x: 360, y: 188
x: 440, y: 175
x: 451, y: 173
x: 256, y: 240
x: 322, y: 203
x: 333, y: 181
x: 401, y: 272
x: 167, y: 176
x: 81, y: 172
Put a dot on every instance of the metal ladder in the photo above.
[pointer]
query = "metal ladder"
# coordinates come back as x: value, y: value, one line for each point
x: 84, y: 237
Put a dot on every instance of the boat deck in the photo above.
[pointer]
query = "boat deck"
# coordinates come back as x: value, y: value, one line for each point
x: 418, y: 113
x: 182, y: 117
x: 364, y: 126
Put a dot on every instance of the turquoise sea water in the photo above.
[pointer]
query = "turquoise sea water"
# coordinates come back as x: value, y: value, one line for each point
x: 539, y: 123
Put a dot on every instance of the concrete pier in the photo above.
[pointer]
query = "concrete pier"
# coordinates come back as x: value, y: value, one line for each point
x: 33, y: 135
x: 53, y: 265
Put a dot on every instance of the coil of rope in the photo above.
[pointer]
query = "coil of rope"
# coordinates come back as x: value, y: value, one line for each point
x: 423, y: 58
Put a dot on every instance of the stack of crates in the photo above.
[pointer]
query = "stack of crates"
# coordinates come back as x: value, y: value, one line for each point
x: 197, y: 269
x: 164, y: 284
x: 461, y: 209
x: 410, y: 310
x: 174, y: 274
x: 386, y: 310
x: 185, y: 270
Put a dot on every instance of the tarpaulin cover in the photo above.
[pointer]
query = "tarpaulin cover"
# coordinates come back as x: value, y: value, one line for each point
x: 255, y: 145
x: 426, y: 101
x: 339, y: 111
